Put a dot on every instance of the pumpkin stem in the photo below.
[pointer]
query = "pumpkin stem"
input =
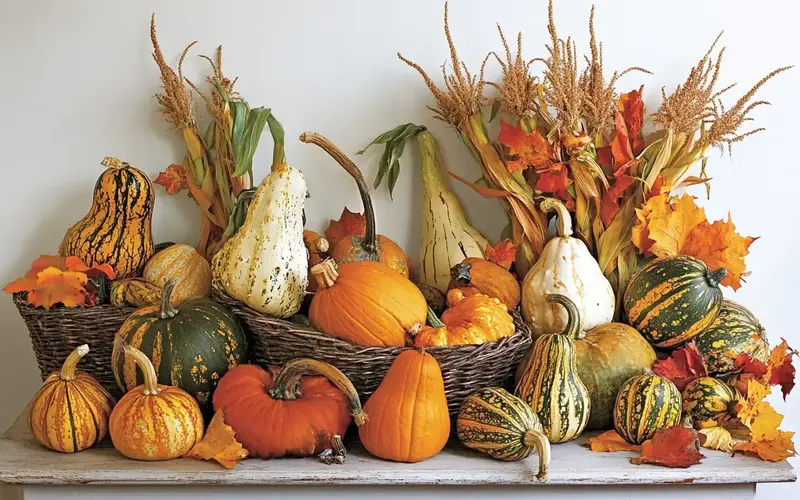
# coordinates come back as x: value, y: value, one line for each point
x: 286, y: 385
x: 461, y: 273
x: 574, y: 326
x: 434, y: 320
x: 115, y: 163
x: 562, y: 214
x: 538, y: 440
x: 370, y: 241
x: 167, y: 310
x: 325, y: 273
x: 336, y: 454
x: 715, y: 277
x: 68, y: 368
x: 146, y: 366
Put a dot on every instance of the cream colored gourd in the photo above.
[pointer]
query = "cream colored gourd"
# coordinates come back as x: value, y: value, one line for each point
x: 567, y: 268
x: 265, y: 264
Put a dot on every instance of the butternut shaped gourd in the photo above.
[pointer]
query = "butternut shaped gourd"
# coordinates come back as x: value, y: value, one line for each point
x: 117, y: 230
x: 567, y: 268
x: 265, y: 264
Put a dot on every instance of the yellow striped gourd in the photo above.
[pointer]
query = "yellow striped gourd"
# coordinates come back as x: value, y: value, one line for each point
x: 735, y: 331
x: 645, y: 405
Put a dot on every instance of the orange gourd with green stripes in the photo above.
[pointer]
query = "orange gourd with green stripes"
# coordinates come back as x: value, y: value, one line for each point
x: 117, y: 230
x: 707, y: 398
x: 672, y: 299
x: 735, y: 331
x: 70, y: 411
x: 646, y: 404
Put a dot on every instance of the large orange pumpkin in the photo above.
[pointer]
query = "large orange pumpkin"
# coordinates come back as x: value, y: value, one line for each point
x: 365, y: 303
x: 283, y: 411
x: 371, y: 246
x: 475, y: 275
x: 409, y: 421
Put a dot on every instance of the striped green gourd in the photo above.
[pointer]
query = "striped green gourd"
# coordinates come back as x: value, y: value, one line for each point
x: 550, y: 383
x: 707, y: 398
x: 646, y: 404
x: 495, y: 422
x: 672, y: 299
x: 735, y: 331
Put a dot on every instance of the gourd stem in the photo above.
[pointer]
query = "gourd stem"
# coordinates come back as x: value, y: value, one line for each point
x: 574, y: 327
x: 562, y: 215
x: 286, y: 386
x: 715, y: 277
x: 434, y: 320
x: 370, y: 241
x: 325, y: 273
x: 167, y: 310
x: 146, y: 366
x: 461, y: 273
x: 68, y: 368
x: 538, y: 440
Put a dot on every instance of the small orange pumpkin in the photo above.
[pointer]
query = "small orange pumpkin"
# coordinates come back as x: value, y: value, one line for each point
x: 409, y: 421
x: 284, y: 411
x: 370, y: 246
x: 184, y: 265
x: 365, y: 303
x: 475, y: 275
x: 473, y: 319
x: 318, y: 248
x: 154, y: 421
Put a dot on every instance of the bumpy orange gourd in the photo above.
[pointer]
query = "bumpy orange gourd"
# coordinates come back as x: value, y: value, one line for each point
x: 365, y: 303
x: 481, y: 276
x: 318, y: 248
x: 184, y: 265
x: 154, y: 421
x: 283, y: 411
x: 473, y: 319
x: 70, y: 411
x: 371, y: 246
x: 409, y: 421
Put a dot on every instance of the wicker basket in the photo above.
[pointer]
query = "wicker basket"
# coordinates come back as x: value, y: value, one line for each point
x: 57, y: 332
x: 464, y: 368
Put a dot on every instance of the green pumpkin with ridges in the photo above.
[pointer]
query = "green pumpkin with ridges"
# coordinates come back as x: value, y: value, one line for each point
x: 735, y: 331
x: 707, y: 398
x: 672, y: 299
x: 191, y: 347
x: 645, y: 405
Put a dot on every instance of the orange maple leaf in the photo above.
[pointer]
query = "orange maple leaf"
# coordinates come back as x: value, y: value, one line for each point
x: 28, y: 282
x: 503, y: 254
x: 767, y: 441
x: 349, y: 224
x: 557, y: 181
x: 611, y: 441
x: 173, y: 179
x: 677, y: 447
x: 525, y: 150
x: 219, y: 443
x: 631, y: 107
x: 780, y: 370
x: 55, y: 286
x: 76, y: 264
x: 718, y: 245
x: 610, y: 205
x: 683, y: 366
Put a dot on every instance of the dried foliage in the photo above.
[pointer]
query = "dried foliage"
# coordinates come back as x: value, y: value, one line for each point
x: 175, y: 100
x: 519, y: 90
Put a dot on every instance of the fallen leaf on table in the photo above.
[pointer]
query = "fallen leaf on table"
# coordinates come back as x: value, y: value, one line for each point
x: 55, y: 286
x: 676, y: 447
x: 219, y: 444
x: 683, y: 366
x: 611, y: 441
x: 716, y: 438
x: 349, y: 224
x: 780, y: 369
x: 173, y: 179
x: 525, y: 150
x: 502, y: 254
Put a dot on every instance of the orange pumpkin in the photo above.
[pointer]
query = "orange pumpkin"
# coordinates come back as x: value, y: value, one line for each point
x: 473, y: 319
x: 365, y: 303
x: 370, y: 246
x: 184, y: 265
x: 283, y: 411
x: 475, y: 275
x: 409, y: 421
x: 318, y: 248
x: 154, y: 421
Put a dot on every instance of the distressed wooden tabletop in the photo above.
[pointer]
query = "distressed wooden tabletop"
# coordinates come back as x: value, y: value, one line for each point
x: 24, y: 461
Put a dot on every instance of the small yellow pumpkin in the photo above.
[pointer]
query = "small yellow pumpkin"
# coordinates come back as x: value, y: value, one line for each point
x: 184, y: 265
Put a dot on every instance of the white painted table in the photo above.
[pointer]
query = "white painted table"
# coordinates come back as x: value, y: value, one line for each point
x: 457, y: 472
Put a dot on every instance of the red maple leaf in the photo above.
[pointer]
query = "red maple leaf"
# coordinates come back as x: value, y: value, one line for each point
x: 676, y: 447
x: 611, y: 198
x: 173, y: 179
x: 525, y: 150
x: 632, y: 108
x: 683, y: 366
x: 503, y: 254
x: 557, y: 181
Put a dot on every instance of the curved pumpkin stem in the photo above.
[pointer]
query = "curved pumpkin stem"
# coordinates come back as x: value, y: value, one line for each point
x: 714, y: 278
x: 574, y: 327
x: 434, y: 320
x: 286, y: 386
x: 564, y: 218
x: 370, y: 242
x: 115, y: 163
x: 143, y: 362
x: 71, y: 363
x: 538, y: 440
x: 325, y: 273
x: 167, y: 310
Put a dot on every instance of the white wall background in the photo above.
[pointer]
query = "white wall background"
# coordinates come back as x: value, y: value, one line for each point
x: 78, y: 83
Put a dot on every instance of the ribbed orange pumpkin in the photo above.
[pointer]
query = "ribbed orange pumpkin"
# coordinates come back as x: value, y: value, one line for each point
x: 184, y: 265
x: 154, y: 421
x: 70, y: 411
x: 283, y: 412
x: 365, y: 303
x: 409, y: 421
x: 481, y: 276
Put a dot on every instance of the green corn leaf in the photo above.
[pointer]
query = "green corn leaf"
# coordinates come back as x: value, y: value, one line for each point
x: 495, y: 110
x: 239, y: 115
x: 278, y: 137
x: 394, y: 173
x: 386, y: 136
x: 256, y: 120
x: 395, y: 141
x: 383, y: 167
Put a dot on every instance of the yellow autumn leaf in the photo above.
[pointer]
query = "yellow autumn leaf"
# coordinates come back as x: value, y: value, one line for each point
x: 219, y: 444
x: 610, y: 441
x: 767, y: 441
x: 716, y: 438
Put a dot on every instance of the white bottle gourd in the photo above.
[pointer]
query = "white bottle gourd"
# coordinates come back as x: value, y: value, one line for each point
x: 567, y: 268
x: 265, y: 264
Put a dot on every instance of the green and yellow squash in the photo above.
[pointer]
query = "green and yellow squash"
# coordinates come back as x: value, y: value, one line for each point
x: 495, y: 422
x: 134, y: 292
x: 672, y: 299
x: 735, y: 331
x: 191, y: 347
x: 550, y: 383
x: 645, y: 405
x: 707, y: 398
x: 117, y: 230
